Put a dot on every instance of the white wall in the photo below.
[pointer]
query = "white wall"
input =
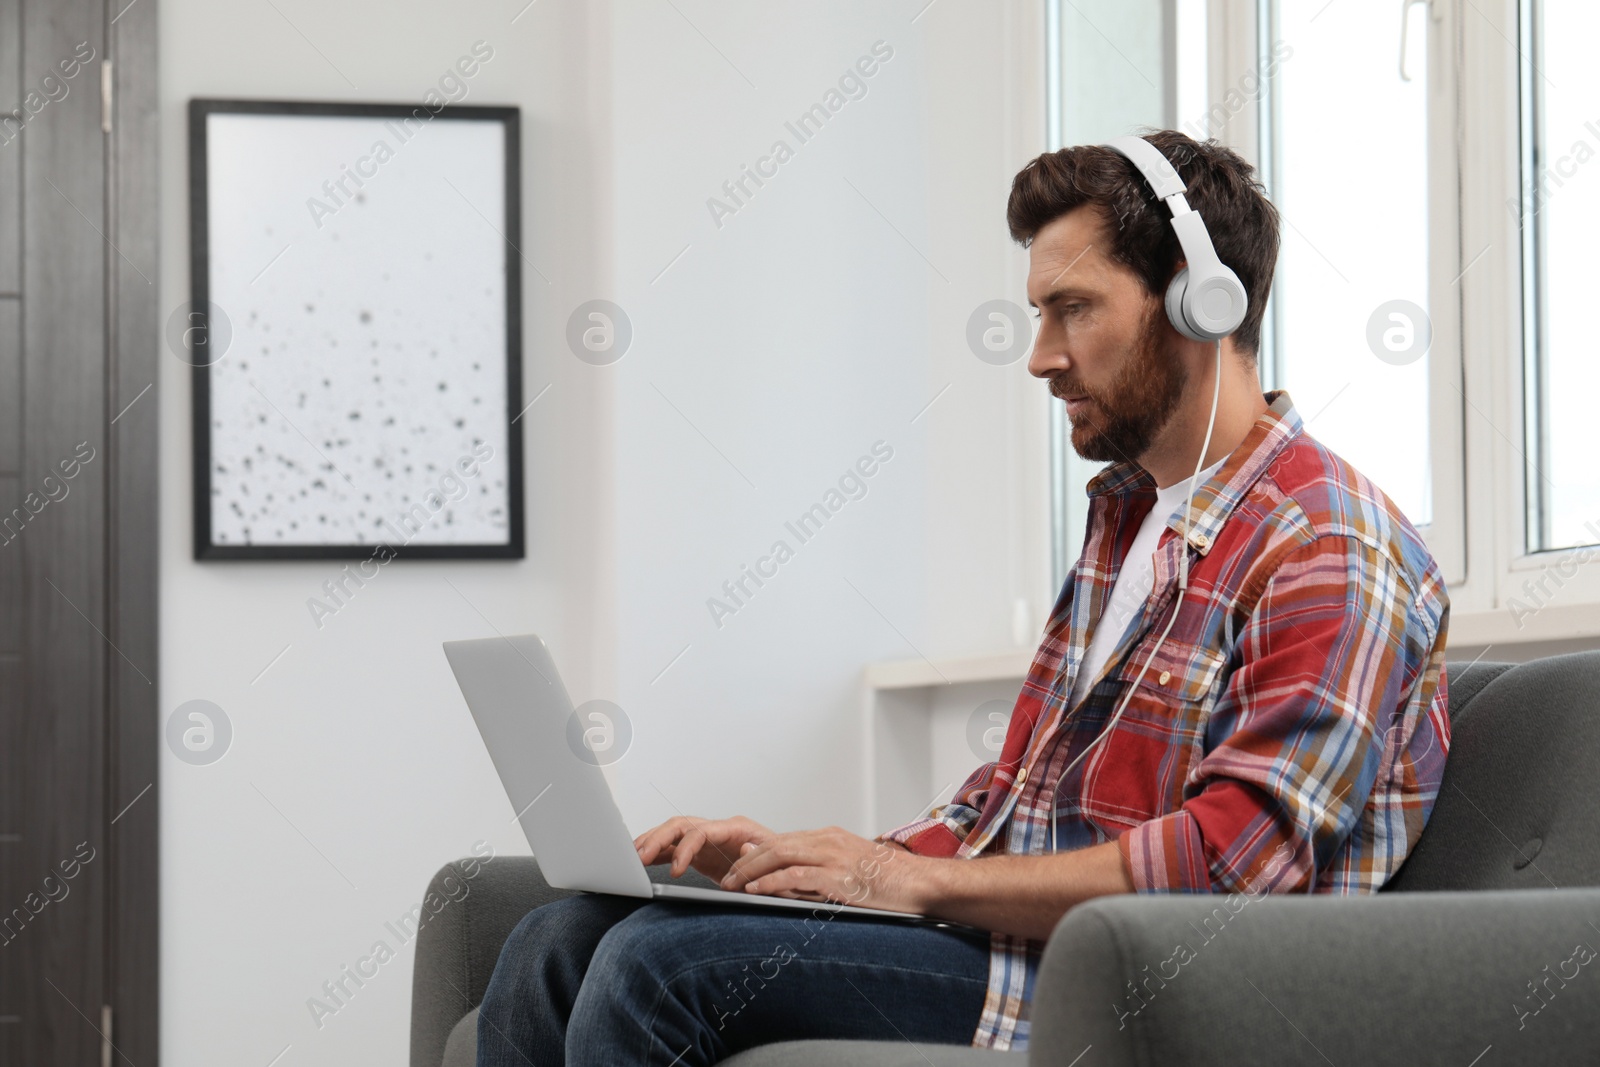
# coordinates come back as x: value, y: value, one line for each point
x: 819, y: 319
x: 806, y: 327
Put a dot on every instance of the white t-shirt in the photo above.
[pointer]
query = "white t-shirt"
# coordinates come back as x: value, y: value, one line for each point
x: 1134, y: 581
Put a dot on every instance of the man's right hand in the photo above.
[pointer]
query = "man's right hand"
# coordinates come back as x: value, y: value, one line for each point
x: 710, y: 846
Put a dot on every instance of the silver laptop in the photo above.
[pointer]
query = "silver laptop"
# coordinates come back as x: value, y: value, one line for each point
x: 562, y: 800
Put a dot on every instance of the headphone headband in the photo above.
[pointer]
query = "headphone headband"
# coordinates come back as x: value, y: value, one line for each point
x: 1205, y: 300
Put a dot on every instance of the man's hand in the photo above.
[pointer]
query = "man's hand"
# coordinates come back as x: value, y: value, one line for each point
x: 830, y: 864
x: 1021, y: 895
x: 710, y: 846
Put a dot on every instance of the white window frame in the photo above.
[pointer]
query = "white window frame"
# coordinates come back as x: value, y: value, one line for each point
x: 1478, y: 530
x: 1496, y: 361
x: 1235, y: 47
x: 1236, y: 44
x: 1069, y: 473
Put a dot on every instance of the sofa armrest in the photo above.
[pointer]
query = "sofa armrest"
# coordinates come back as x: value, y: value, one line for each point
x: 1401, y: 978
x: 458, y: 946
x: 474, y: 907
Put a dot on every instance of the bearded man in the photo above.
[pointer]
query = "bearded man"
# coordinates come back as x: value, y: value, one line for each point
x: 1280, y: 726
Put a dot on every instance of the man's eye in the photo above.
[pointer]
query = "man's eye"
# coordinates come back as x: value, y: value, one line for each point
x: 1073, y: 309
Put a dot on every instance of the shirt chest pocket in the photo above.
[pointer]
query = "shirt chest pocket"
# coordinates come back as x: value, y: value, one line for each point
x: 1138, y: 771
x: 1178, y: 670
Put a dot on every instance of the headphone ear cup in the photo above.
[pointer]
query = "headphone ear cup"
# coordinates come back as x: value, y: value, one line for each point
x: 1215, y: 304
x: 1177, y: 290
x: 1208, y: 308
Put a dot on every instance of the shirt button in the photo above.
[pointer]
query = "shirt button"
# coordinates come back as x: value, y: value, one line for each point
x: 1166, y: 676
x: 1022, y: 776
x: 1201, y: 540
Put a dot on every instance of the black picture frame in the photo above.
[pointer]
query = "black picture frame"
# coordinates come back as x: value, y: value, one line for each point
x: 205, y: 548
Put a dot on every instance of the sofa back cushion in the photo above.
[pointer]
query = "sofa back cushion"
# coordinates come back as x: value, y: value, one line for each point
x: 1519, y: 807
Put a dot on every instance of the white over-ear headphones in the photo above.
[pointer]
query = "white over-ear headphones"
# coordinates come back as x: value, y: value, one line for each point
x: 1205, y: 300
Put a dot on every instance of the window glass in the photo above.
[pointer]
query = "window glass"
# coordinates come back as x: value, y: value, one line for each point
x: 1345, y: 151
x: 1555, y: 209
x: 1120, y: 66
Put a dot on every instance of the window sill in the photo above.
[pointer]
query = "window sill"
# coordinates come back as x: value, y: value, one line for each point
x: 955, y: 670
x: 1502, y: 626
x: 1554, y: 622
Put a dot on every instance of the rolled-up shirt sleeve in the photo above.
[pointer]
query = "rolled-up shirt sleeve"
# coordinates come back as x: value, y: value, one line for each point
x: 1296, y: 740
x: 941, y: 831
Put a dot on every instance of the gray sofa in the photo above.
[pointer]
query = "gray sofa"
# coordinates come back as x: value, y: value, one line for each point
x: 1479, y: 952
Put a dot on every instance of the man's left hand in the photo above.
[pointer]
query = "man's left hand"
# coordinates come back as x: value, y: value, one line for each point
x: 830, y: 864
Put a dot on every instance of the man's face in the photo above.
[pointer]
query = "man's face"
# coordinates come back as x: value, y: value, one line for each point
x: 1104, y: 343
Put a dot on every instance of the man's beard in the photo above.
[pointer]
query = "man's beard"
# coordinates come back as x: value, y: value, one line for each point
x: 1125, y: 417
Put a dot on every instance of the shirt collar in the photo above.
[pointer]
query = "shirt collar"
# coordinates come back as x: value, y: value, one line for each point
x: 1214, y: 500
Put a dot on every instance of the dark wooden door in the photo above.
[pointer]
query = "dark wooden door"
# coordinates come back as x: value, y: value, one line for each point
x: 78, y: 351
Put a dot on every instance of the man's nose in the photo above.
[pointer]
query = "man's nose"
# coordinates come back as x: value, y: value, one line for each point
x: 1046, y: 360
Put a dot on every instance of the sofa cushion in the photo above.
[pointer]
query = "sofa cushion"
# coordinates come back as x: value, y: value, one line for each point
x: 1466, y: 680
x: 461, y: 1050
x: 461, y: 1047
x: 1520, y: 799
x: 872, y: 1054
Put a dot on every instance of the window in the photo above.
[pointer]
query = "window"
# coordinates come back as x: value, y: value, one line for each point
x: 1468, y: 187
x: 1114, y: 66
x: 1555, y: 211
x: 1344, y: 147
x: 1352, y: 141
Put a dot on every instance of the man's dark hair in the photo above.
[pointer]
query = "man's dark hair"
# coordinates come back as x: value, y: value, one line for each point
x: 1221, y: 185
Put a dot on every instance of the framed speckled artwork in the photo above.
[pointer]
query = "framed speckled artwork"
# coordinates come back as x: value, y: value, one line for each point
x: 354, y: 330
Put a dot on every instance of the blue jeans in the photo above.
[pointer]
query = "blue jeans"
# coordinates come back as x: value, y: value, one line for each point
x: 615, y: 982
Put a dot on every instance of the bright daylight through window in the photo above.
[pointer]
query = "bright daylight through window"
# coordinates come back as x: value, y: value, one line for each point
x: 1352, y: 331
x: 1556, y: 209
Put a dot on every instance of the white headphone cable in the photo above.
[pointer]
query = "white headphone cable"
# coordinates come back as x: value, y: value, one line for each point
x: 1183, y: 586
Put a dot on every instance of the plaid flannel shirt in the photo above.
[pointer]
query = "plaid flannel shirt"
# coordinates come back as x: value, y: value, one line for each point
x: 1289, y: 735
